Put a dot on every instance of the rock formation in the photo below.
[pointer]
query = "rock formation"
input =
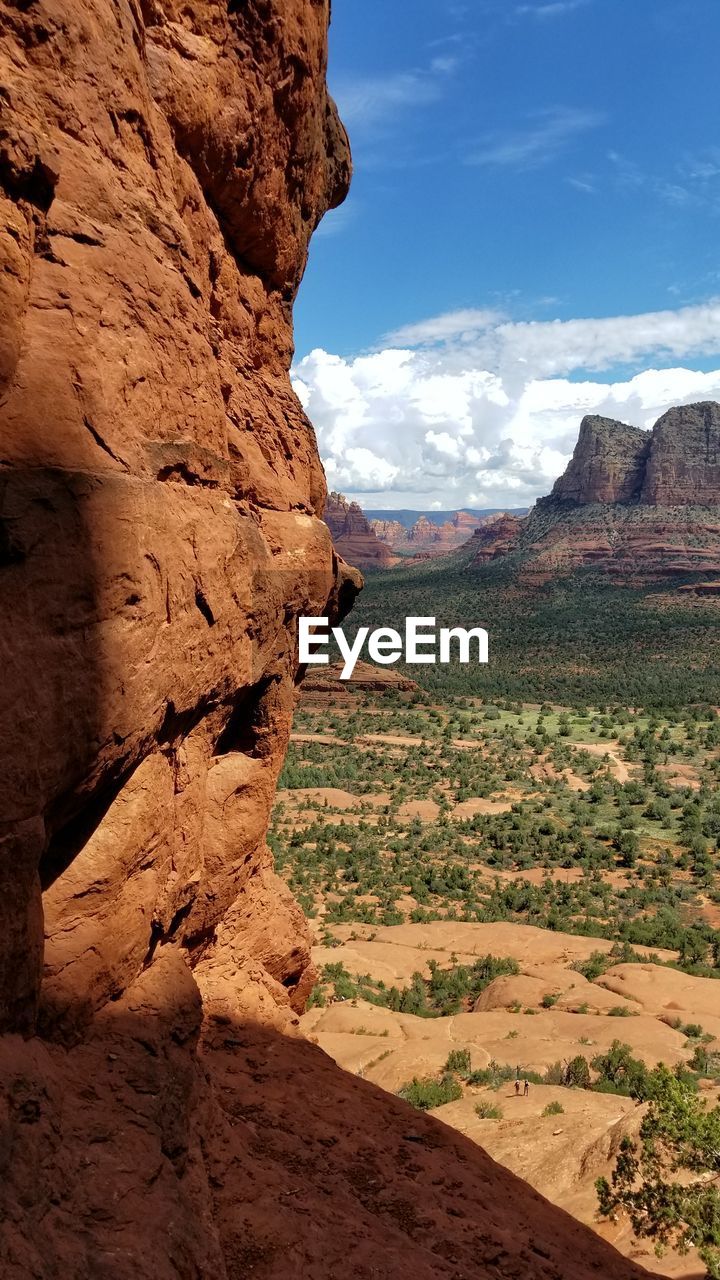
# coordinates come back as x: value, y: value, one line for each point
x: 353, y: 535
x: 161, y: 171
x: 425, y: 538
x: 495, y: 538
x: 607, y: 465
x: 162, y: 166
x: 366, y: 678
x: 632, y: 503
x: 683, y: 466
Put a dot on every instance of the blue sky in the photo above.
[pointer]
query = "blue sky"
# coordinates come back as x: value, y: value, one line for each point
x: 516, y: 161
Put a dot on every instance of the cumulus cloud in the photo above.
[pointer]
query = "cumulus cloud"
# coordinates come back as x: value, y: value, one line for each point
x: 470, y: 409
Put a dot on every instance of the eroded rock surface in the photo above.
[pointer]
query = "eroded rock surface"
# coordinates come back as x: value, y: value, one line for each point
x: 162, y: 166
x: 353, y: 535
x: 425, y: 538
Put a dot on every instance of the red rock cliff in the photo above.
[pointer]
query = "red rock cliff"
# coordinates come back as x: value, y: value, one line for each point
x: 607, y: 465
x: 633, y: 503
x: 161, y: 169
x: 352, y: 534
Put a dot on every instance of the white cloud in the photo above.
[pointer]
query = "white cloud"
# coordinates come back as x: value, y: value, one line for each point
x: 482, y: 411
x: 556, y: 9
x: 546, y: 135
x: 453, y: 324
x: 367, y: 102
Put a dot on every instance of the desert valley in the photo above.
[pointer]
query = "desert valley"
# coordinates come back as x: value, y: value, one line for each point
x: 511, y: 890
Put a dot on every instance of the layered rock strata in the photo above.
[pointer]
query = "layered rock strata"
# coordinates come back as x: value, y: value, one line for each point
x: 353, y: 536
x: 632, y: 503
x: 161, y: 171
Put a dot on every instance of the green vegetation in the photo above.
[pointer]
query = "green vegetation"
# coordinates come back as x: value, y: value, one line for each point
x: 554, y: 1109
x: 428, y: 1094
x: 579, y: 639
x: 446, y: 991
x: 679, y: 1134
x: 487, y: 1111
x: 573, y: 785
x: 461, y: 817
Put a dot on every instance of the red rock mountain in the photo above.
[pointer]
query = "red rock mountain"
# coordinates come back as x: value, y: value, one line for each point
x: 497, y: 537
x: 353, y: 535
x: 426, y: 538
x: 162, y: 166
x: 633, y: 503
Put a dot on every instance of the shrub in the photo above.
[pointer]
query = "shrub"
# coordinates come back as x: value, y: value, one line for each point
x: 555, y: 1074
x: 494, y: 1074
x: 486, y: 1111
x: 428, y: 1094
x: 554, y: 1109
x: 459, y: 1063
x: 577, y: 1073
x: 594, y: 966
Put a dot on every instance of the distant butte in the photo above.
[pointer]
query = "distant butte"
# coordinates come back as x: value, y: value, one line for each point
x: 634, y: 504
x: 353, y: 536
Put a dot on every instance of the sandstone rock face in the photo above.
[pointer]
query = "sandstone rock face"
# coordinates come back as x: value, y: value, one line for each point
x: 161, y: 171
x: 353, y: 535
x: 366, y: 678
x: 162, y: 166
x: 631, y: 503
x: 683, y: 467
x: 607, y: 465
x: 496, y: 538
x: 389, y: 531
x: 230, y: 1150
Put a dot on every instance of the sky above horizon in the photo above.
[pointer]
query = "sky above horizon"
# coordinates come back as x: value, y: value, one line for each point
x: 532, y: 234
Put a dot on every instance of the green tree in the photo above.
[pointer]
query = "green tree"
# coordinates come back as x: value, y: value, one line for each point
x: 679, y: 1134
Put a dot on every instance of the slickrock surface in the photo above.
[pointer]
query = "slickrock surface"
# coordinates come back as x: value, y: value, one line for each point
x: 162, y: 166
x: 353, y: 535
x: 138, y: 1155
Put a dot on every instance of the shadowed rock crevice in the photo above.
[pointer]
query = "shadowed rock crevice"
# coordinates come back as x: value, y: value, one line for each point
x: 144, y: 600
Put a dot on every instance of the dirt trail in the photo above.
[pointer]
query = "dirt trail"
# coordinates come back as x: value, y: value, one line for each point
x: 609, y: 749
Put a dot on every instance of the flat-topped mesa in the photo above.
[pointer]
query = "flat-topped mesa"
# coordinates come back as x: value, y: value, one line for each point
x: 683, y: 465
x: 353, y: 535
x: 608, y: 463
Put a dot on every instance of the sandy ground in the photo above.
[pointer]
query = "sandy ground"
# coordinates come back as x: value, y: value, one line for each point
x: 561, y: 1155
x: 395, y: 952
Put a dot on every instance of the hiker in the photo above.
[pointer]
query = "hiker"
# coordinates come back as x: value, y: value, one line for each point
x: 526, y: 1089
x: 517, y: 1088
